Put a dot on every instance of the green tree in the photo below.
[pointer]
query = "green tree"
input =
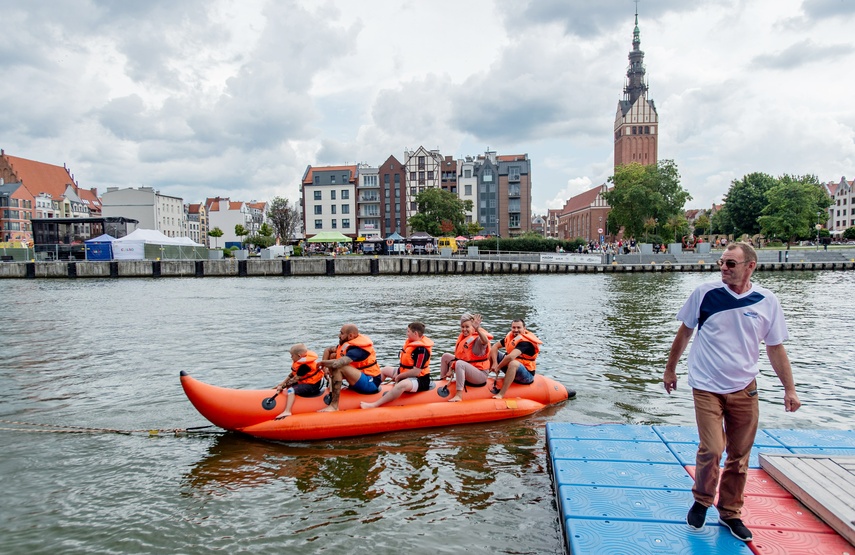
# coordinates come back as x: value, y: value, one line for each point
x: 720, y: 223
x: 439, y: 209
x: 216, y: 233
x: 284, y: 217
x: 849, y: 233
x: 264, y: 238
x: 702, y: 225
x: 795, y: 205
x: 677, y: 226
x: 241, y: 232
x: 641, y: 193
x: 473, y: 229
x: 746, y: 200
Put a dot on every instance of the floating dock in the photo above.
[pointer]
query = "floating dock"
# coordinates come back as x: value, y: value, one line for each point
x: 626, y: 489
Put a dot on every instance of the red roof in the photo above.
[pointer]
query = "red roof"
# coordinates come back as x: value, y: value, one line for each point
x: 581, y: 201
x: 511, y: 158
x: 40, y: 177
x: 309, y: 178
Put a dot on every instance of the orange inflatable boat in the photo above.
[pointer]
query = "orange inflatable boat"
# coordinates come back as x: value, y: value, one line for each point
x: 254, y: 412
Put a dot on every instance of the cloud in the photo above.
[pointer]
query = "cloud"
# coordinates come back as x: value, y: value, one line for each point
x: 802, y: 53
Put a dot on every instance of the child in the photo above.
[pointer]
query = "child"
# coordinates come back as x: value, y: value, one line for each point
x: 305, y: 374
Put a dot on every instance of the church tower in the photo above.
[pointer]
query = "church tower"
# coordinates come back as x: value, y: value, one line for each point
x: 636, y: 122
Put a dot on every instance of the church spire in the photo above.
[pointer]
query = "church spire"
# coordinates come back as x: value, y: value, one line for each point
x: 635, y: 85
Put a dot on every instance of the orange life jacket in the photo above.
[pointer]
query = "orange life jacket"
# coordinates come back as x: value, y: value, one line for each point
x: 314, y: 374
x: 463, y: 351
x: 368, y: 366
x: 406, y: 356
x: 526, y: 360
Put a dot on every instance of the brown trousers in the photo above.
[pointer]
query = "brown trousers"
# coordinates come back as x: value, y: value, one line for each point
x: 724, y: 422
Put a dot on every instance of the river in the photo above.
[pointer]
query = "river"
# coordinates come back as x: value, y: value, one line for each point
x: 106, y: 354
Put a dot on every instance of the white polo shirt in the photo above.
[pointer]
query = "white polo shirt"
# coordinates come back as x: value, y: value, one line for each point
x: 726, y: 347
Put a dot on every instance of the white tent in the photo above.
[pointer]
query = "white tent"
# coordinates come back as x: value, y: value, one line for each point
x: 132, y: 245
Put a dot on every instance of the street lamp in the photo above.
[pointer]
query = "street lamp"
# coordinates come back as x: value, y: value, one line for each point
x: 818, y: 227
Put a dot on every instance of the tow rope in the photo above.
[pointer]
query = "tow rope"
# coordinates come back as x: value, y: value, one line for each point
x: 69, y: 429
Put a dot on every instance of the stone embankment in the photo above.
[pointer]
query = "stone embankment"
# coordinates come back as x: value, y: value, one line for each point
x: 384, y: 265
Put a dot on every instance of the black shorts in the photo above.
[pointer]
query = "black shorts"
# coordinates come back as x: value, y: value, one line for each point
x: 308, y: 389
x: 424, y: 382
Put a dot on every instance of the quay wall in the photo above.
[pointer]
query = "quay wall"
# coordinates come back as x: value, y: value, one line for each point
x: 358, y: 266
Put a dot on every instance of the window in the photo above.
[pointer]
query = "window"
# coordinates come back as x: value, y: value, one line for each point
x: 332, y: 195
x: 317, y: 180
x: 332, y: 179
x: 344, y: 179
x: 421, y: 162
x: 345, y: 209
x: 318, y: 195
x: 397, y: 179
x: 467, y: 190
x: 345, y: 194
x: 319, y: 209
x: 487, y: 175
x: 319, y: 224
x: 413, y: 206
x: 514, y: 205
x: 332, y: 209
x: 421, y: 177
x: 467, y: 173
x: 386, y: 178
x: 430, y: 175
x: 412, y: 190
x: 334, y: 223
x: 412, y: 176
x: 345, y: 223
x: 514, y: 173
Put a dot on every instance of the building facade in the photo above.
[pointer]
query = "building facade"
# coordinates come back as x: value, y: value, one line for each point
x: 329, y: 200
x: 226, y: 214
x: 150, y: 208
x: 423, y: 171
x: 585, y: 216
x: 393, y: 194
x: 636, y: 129
x: 368, y: 213
x: 196, y: 220
x: 840, y: 215
x: 16, y: 213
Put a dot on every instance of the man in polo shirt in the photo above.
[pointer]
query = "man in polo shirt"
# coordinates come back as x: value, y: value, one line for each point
x: 732, y: 317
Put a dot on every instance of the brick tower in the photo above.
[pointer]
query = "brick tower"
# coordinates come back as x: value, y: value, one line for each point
x: 636, y: 122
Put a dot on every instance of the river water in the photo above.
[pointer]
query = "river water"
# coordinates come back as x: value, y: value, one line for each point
x: 106, y: 354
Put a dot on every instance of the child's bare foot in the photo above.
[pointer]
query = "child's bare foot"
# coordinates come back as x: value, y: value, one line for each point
x: 284, y: 414
x: 329, y: 409
x: 456, y: 399
x: 367, y: 405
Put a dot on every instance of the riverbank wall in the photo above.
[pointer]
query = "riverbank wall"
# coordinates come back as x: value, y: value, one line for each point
x: 381, y: 266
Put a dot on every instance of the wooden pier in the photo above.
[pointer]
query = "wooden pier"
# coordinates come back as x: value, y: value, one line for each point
x: 824, y: 484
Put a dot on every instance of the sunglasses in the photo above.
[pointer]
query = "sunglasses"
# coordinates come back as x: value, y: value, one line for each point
x: 730, y: 263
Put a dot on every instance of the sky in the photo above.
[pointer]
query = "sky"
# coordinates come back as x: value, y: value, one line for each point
x: 199, y: 98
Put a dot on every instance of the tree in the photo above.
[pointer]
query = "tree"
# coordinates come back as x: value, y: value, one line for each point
x: 644, y: 193
x: 849, y: 233
x: 284, y: 217
x: 746, y: 200
x: 702, y: 225
x: 241, y: 231
x: 264, y: 238
x: 215, y: 233
x: 720, y: 223
x: 473, y: 229
x: 439, y: 209
x: 795, y: 205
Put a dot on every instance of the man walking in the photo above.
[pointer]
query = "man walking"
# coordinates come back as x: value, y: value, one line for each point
x: 732, y: 317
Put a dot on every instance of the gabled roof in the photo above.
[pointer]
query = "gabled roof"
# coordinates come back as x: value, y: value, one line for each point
x: 90, y: 198
x: 194, y: 208
x: 582, y: 201
x: 39, y: 177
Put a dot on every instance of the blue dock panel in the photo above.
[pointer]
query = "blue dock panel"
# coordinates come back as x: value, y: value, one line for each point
x: 646, y: 538
x: 625, y: 489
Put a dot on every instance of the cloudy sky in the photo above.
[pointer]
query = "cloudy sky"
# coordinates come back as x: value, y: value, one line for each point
x: 200, y: 98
